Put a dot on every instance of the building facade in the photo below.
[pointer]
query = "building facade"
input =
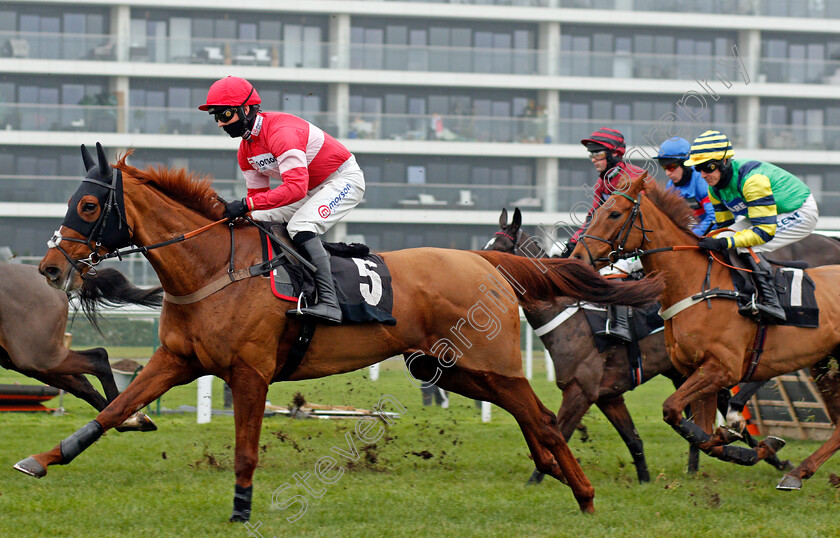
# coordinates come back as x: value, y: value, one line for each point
x: 455, y: 109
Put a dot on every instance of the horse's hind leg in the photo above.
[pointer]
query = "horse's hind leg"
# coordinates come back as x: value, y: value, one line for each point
x: 618, y: 415
x: 513, y: 394
x: 249, y: 389
x: 163, y: 372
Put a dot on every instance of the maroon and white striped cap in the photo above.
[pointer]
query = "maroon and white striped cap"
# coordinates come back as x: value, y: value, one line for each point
x: 612, y: 139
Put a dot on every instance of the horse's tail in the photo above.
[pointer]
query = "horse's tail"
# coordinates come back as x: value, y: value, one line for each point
x: 109, y: 287
x: 540, y: 280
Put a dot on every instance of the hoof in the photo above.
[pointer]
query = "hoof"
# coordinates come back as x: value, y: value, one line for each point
x: 727, y: 436
x: 773, y: 443
x: 239, y: 518
x: 789, y: 483
x: 138, y: 422
x: 31, y: 467
x: 587, y: 506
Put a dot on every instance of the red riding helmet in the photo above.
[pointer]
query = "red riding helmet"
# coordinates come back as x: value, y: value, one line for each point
x: 231, y: 91
x: 611, y: 139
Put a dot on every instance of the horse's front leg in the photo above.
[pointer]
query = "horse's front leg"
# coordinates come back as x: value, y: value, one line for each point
x: 701, y: 390
x: 164, y: 371
x: 249, y: 389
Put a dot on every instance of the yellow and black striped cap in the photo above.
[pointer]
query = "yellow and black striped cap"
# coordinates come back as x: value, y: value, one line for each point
x: 710, y: 146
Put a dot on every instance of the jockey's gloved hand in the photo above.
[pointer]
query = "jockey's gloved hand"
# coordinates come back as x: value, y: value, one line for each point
x: 235, y: 209
x: 714, y: 243
x: 567, y: 251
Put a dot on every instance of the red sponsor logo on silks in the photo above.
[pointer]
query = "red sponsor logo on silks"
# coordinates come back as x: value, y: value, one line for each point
x: 324, y: 211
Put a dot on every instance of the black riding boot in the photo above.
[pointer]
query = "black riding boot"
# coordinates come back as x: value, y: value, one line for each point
x: 326, y: 309
x: 618, y: 323
x: 769, y: 308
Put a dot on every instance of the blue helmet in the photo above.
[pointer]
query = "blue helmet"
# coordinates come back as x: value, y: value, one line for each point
x: 674, y: 149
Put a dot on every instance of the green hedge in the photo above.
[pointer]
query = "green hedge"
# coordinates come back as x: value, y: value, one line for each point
x: 116, y: 331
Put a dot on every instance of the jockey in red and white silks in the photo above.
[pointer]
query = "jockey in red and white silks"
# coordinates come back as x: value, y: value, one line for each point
x: 321, y: 181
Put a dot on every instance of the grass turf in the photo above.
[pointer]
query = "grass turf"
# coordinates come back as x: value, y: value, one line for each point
x: 435, y: 472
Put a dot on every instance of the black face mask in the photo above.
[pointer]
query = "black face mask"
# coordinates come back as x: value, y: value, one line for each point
x: 235, y: 129
x: 241, y: 127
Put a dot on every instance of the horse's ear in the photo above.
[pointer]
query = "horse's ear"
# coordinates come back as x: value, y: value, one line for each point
x: 88, y: 160
x: 517, y: 218
x: 104, y: 167
x: 503, y: 218
x: 637, y: 185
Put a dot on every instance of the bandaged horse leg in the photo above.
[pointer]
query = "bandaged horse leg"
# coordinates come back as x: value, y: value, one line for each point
x: 700, y: 390
x: 163, y: 371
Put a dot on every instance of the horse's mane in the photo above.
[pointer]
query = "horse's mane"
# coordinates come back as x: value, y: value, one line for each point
x: 193, y: 190
x: 671, y: 202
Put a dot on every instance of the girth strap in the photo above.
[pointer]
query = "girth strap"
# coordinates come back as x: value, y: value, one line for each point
x: 298, y: 350
x: 755, y: 352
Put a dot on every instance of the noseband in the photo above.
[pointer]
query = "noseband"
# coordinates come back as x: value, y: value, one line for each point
x: 618, y: 251
x: 513, y: 240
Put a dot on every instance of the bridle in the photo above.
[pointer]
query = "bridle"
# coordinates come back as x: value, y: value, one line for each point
x: 513, y: 239
x: 110, y: 231
x: 619, y: 252
x: 102, y: 233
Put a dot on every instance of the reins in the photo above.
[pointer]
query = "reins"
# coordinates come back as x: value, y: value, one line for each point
x: 623, y: 234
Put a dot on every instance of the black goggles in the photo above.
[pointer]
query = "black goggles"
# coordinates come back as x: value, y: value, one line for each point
x: 707, y: 167
x: 223, y: 115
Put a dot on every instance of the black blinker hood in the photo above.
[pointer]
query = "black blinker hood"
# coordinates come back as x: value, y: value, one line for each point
x: 104, y: 183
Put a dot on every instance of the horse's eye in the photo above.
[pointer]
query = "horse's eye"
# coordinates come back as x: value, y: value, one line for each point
x: 88, y: 207
x: 615, y: 214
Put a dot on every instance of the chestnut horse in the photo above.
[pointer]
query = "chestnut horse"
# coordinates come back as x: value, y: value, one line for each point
x: 33, y: 317
x: 709, y: 342
x: 588, y: 376
x: 241, y: 333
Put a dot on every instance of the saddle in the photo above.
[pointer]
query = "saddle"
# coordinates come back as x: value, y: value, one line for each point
x: 643, y: 322
x: 362, y: 280
x: 795, y: 288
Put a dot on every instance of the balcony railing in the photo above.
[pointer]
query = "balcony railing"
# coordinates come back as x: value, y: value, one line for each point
x: 322, y: 55
x: 429, y: 127
x: 639, y: 65
x: 446, y: 59
x: 267, y: 53
x: 827, y: 9
x: 799, y: 71
x: 647, y: 133
x: 813, y: 137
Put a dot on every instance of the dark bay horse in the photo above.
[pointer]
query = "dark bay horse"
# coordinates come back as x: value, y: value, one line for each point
x: 708, y: 341
x: 588, y: 376
x: 456, y: 311
x: 33, y: 317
